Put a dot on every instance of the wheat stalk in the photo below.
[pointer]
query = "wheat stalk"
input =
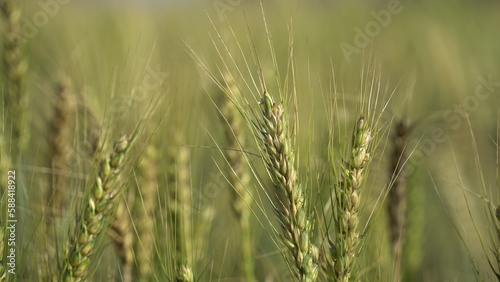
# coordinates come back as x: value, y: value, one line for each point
x: 291, y: 205
x: 347, y: 195
x: 238, y: 178
x: 396, y: 198
x: 145, y: 211
x: 99, y: 205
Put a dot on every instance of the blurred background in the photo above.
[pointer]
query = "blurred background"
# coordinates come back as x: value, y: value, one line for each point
x: 434, y: 63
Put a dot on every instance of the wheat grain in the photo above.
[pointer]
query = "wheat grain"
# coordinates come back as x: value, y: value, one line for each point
x: 99, y: 205
x: 185, y: 274
x: 291, y: 205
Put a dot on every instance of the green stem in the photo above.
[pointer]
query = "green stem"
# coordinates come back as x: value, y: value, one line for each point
x: 246, y: 246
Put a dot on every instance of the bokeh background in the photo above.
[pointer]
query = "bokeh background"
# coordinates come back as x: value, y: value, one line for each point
x: 435, y: 64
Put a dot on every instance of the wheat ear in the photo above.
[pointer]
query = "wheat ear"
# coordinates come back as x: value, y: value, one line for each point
x: 396, y: 198
x: 291, y: 205
x: 347, y: 196
x: 145, y: 211
x: 60, y: 141
x: 99, y: 205
x: 15, y: 68
x: 239, y: 178
x: 122, y: 234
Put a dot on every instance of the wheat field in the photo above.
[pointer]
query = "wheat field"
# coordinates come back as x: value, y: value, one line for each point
x: 222, y: 140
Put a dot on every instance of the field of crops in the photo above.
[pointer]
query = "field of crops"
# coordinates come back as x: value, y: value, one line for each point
x: 231, y: 140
